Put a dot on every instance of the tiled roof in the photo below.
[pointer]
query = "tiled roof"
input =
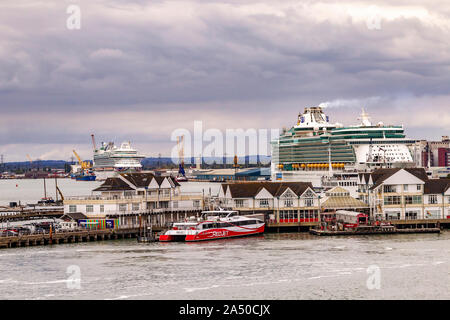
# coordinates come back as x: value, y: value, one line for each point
x: 343, y: 203
x: 381, y: 175
x: 276, y: 189
x: 139, y: 180
x: 73, y: 216
x: 114, y: 184
x: 437, y: 186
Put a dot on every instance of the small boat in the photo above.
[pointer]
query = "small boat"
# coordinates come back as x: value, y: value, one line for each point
x: 181, y: 179
x: 213, y: 225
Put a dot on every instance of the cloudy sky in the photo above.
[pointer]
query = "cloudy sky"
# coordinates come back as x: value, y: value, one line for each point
x: 137, y: 70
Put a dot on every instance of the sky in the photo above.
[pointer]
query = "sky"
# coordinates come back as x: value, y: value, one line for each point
x: 134, y: 70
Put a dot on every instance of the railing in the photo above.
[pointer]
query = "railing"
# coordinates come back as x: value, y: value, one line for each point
x: 178, y: 196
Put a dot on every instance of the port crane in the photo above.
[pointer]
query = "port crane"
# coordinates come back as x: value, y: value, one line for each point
x: 84, y: 165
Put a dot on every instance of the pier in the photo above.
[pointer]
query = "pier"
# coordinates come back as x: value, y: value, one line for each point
x: 71, y: 237
x: 23, y: 215
x: 373, y: 231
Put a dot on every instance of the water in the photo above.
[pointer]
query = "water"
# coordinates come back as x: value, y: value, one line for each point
x: 273, y: 266
x: 32, y: 190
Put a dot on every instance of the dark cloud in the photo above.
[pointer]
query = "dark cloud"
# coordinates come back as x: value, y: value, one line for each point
x: 260, y: 61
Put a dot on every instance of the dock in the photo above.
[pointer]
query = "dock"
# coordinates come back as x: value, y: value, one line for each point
x: 374, y: 231
x: 71, y: 237
x: 24, y: 215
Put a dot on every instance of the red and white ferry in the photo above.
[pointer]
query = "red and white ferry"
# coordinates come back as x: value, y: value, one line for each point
x: 214, y: 225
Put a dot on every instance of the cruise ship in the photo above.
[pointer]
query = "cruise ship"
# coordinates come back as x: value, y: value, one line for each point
x: 315, y: 148
x: 109, y: 159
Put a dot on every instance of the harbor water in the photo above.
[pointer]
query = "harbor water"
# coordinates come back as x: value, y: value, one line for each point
x: 273, y: 266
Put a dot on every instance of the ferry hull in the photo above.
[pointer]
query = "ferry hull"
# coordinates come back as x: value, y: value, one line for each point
x: 222, y: 234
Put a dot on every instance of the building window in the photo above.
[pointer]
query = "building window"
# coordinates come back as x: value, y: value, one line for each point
x: 419, y: 187
x: 309, y: 202
x: 432, y: 199
x: 72, y: 208
x: 123, y: 207
x: 136, y: 206
x: 288, y: 203
x: 264, y: 203
x: 239, y: 203
x: 413, y: 199
x: 405, y: 188
x: 411, y: 215
x: 392, y: 215
x: 89, y: 208
x: 102, y: 208
x: 392, y: 200
x: 389, y: 189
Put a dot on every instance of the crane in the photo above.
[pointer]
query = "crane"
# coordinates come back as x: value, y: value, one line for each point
x: 84, y: 165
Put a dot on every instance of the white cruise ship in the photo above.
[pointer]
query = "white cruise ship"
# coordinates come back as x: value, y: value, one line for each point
x: 109, y: 159
x: 316, y: 148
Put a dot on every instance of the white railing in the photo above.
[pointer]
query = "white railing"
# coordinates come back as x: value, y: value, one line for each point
x: 135, y: 197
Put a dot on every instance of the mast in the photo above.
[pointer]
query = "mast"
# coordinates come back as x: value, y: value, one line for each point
x: 330, y: 167
x: 45, y: 190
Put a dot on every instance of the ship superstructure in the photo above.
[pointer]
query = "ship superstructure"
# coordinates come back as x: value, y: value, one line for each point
x: 315, y: 148
x: 112, y: 158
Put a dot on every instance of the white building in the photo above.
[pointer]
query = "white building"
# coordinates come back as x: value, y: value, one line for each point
x: 132, y: 194
x: 284, y: 202
x: 406, y: 194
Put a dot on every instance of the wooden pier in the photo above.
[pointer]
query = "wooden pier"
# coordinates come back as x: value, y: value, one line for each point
x: 372, y: 232
x: 71, y: 237
x: 25, y: 215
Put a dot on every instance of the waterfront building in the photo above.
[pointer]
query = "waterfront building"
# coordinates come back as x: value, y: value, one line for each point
x: 405, y: 194
x: 280, y: 202
x: 315, y: 148
x: 130, y: 195
x: 339, y: 198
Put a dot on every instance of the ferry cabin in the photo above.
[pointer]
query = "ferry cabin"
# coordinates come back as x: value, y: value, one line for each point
x: 280, y: 202
x: 405, y: 194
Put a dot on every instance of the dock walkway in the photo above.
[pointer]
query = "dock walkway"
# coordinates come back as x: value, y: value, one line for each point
x: 70, y: 237
x: 380, y: 231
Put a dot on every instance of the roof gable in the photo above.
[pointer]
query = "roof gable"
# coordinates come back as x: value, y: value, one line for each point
x: 403, y: 177
x: 263, y: 194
